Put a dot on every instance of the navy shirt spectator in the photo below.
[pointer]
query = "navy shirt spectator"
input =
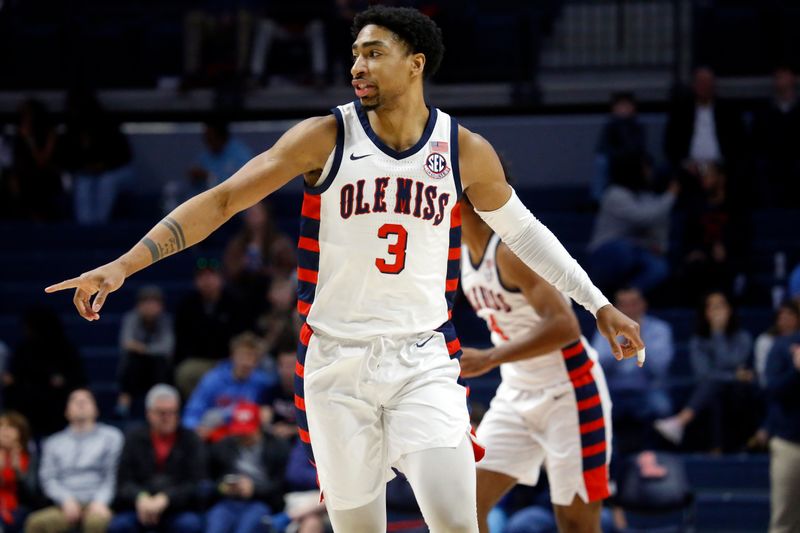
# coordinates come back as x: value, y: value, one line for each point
x: 248, y: 468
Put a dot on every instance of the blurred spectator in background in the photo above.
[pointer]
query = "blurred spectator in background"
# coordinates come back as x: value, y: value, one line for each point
x: 639, y: 395
x: 44, y: 368
x: 278, y: 326
x: 5, y: 355
x: 631, y: 232
x: 719, y: 351
x: 303, y: 503
x: 33, y: 189
x: 78, y: 471
x: 146, y: 343
x: 621, y: 138
x: 216, y: 40
x: 701, y: 130
x: 205, y: 322
x: 777, y: 142
x: 714, y: 236
x: 97, y: 154
x: 280, y: 411
x: 222, y: 156
x: 18, y: 470
x: 160, y: 469
x: 794, y: 284
x: 248, y: 470
x: 783, y: 388
x: 290, y: 21
x: 249, y: 255
x: 239, y: 379
x: 787, y: 322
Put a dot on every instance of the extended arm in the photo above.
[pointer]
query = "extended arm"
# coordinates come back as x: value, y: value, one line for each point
x: 301, y: 150
x: 494, y: 200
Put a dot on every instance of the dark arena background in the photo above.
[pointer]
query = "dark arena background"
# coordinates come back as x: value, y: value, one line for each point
x: 658, y: 139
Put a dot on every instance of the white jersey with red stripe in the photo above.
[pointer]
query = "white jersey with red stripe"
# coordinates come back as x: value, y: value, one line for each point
x: 380, y: 234
x: 508, y: 315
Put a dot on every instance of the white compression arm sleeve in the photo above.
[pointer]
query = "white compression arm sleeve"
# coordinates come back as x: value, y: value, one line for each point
x: 538, y: 248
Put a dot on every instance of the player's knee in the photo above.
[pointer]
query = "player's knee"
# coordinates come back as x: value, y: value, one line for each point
x: 583, y: 520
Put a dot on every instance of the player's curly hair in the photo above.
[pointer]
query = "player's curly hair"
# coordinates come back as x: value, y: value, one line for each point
x: 417, y: 30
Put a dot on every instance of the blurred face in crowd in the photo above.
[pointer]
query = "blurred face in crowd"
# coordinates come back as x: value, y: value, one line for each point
x: 631, y: 302
x: 163, y: 415
x: 785, y: 83
x: 9, y: 435
x: 256, y: 216
x: 208, y: 283
x: 245, y: 361
x: 81, y: 407
x: 787, y: 321
x: 712, y: 178
x: 281, y: 295
x: 150, y: 309
x: 704, y: 85
x: 718, y: 310
x: 623, y: 108
x: 214, y: 139
x: 286, y: 368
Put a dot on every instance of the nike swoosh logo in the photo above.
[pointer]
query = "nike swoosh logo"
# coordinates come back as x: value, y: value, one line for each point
x: 421, y: 344
x: 354, y: 157
x: 560, y: 396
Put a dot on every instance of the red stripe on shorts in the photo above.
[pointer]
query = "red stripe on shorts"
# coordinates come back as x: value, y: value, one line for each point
x: 589, y: 402
x: 299, y: 402
x: 596, y: 481
x: 594, y: 449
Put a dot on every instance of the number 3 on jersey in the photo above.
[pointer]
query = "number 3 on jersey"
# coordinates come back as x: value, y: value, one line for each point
x: 398, y: 249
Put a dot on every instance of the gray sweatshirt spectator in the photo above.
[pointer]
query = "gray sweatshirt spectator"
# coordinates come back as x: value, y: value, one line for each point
x: 78, y: 471
x: 81, y: 465
x: 146, y: 343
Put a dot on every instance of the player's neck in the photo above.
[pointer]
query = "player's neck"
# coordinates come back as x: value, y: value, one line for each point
x: 401, y: 123
x: 476, y: 236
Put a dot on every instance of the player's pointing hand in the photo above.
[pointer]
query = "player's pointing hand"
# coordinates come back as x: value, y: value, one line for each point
x: 100, y: 281
x: 613, y: 323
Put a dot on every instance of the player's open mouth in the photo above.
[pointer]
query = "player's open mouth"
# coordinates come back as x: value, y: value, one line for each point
x: 363, y: 88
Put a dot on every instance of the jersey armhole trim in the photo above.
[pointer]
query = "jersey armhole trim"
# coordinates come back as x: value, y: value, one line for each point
x: 328, y: 178
x: 454, y: 156
x: 497, y: 268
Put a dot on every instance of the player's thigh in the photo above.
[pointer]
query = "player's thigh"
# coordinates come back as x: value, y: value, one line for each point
x: 510, y: 439
x: 345, y: 430
x: 579, y: 516
x: 428, y: 411
x: 491, y: 486
x: 443, y: 481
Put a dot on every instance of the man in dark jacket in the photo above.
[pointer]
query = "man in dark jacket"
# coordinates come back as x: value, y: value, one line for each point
x: 159, y: 471
x: 783, y: 389
x: 248, y: 468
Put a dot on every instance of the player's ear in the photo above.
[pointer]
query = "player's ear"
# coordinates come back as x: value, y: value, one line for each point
x: 417, y: 64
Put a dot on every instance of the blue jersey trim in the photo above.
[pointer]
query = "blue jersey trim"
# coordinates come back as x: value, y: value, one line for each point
x: 497, y: 268
x: 454, y: 156
x: 337, y: 156
x: 391, y: 152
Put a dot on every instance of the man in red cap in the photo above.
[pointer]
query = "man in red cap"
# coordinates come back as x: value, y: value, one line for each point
x: 248, y: 468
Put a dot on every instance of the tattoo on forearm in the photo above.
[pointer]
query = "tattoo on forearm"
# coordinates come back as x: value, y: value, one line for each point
x: 177, y: 232
x: 154, y: 251
x: 176, y: 243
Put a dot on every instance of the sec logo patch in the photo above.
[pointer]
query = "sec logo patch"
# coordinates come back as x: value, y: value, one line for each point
x: 436, y: 166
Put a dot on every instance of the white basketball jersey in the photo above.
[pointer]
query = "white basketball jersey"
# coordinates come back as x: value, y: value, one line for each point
x: 508, y: 314
x: 380, y: 236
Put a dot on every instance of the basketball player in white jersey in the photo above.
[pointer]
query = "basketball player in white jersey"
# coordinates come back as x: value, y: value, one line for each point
x: 552, y: 407
x: 379, y: 253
